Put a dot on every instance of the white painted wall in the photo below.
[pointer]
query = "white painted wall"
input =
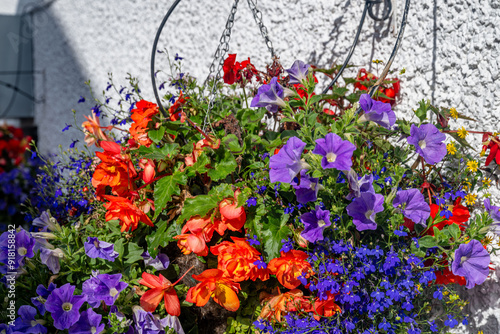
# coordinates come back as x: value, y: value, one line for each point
x: 451, y: 53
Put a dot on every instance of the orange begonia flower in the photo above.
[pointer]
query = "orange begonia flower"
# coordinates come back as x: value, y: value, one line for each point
x: 326, y: 308
x: 237, y: 260
x: 211, y: 142
x: 289, y: 267
x: 93, y: 131
x: 160, y: 288
x: 279, y: 304
x: 142, y: 115
x: 234, y: 217
x: 148, y: 166
x: 123, y: 209
x: 192, y: 243
x: 214, y: 284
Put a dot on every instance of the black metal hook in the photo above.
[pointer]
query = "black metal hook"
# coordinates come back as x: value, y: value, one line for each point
x: 387, y: 10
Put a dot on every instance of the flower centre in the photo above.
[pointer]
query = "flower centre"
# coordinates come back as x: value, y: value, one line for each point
x: 331, y: 157
x: 422, y: 144
x: 96, y: 244
x: 463, y: 259
x: 321, y: 223
x: 93, y: 330
x: 33, y: 323
x: 67, y: 306
x: 313, y: 186
x: 113, y: 292
x: 22, y: 251
x: 369, y: 214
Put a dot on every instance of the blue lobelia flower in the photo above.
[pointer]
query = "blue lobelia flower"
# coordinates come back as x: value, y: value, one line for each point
x: 64, y: 307
x: 315, y: 222
x: 287, y: 163
x: 471, y: 261
x: 337, y: 153
x: 94, y: 248
x: 89, y: 322
x: 298, y: 72
x: 428, y: 142
x: 376, y: 111
x: 363, y: 210
x: 307, y: 189
x: 270, y: 96
x: 26, y: 322
x: 413, y: 205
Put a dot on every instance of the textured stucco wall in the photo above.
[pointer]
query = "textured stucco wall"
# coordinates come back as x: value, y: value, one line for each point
x: 450, y: 52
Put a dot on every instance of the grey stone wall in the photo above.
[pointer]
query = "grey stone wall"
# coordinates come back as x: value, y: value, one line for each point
x: 450, y: 53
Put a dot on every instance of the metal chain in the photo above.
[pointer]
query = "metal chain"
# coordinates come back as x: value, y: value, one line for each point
x: 218, y: 61
x: 257, y: 15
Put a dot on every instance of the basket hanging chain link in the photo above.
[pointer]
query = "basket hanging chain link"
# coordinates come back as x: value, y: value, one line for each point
x: 218, y: 61
x: 257, y: 15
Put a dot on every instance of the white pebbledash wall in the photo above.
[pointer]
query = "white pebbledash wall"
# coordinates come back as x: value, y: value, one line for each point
x: 450, y: 53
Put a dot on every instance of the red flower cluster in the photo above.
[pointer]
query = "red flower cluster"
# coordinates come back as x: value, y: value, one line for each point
x: 13, y: 145
x: 175, y: 109
x: 364, y: 79
x: 491, y: 143
x: 236, y: 72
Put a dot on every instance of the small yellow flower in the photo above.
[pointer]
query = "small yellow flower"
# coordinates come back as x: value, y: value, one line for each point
x: 483, y: 153
x: 462, y: 133
x: 486, y: 182
x: 480, y: 332
x: 472, y: 166
x: 454, y: 113
x: 451, y: 148
x: 377, y: 61
x: 487, y: 240
x: 470, y: 199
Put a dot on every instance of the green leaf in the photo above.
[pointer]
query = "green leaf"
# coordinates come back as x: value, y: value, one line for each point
x: 223, y: 168
x: 156, y: 135
x: 134, y: 253
x: 200, y: 166
x: 165, y: 188
x: 119, y: 248
x: 421, y: 112
x: 202, y: 204
x: 232, y: 143
x: 454, y: 231
x: 162, y: 236
x: 289, y: 133
x: 427, y: 242
x: 315, y: 99
x: 273, y: 229
x: 162, y: 153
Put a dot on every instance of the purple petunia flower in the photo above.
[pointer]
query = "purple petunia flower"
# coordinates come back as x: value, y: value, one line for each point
x: 43, y: 294
x: 270, y: 96
x: 337, y: 153
x: 160, y: 262
x: 357, y: 185
x: 428, y: 142
x: 26, y: 322
x: 147, y: 323
x: 363, y: 210
x: 494, y: 212
x: 64, y: 307
x: 23, y: 248
x: 307, y: 189
x: 51, y: 257
x: 89, y: 323
x: 471, y: 261
x: 376, y: 111
x: 287, y: 163
x: 413, y: 205
x: 100, y: 249
x: 314, y: 224
x: 46, y: 222
x: 103, y: 287
x: 298, y: 72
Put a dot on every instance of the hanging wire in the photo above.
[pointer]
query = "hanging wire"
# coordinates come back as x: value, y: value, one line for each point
x: 399, y: 40
x: 153, y: 57
x: 363, y: 16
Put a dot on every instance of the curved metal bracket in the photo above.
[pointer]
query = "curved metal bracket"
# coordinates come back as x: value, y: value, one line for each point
x: 153, y: 57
